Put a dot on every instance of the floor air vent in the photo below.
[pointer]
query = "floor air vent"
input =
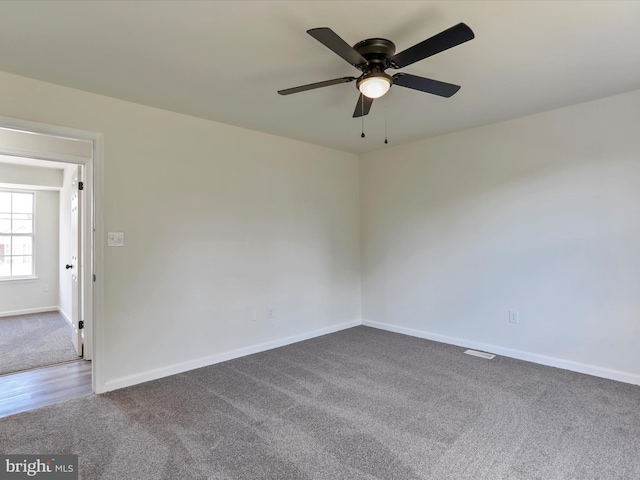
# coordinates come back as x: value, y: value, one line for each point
x: 476, y: 353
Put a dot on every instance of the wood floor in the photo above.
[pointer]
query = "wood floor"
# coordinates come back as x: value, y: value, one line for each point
x: 36, y: 388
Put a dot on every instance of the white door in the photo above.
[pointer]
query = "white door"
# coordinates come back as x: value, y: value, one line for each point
x: 76, y: 261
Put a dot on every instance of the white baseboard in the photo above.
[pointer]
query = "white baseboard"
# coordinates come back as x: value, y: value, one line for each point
x: 508, y: 352
x: 65, y: 316
x: 27, y: 311
x: 220, y: 357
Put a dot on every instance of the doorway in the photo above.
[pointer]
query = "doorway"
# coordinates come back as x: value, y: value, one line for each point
x: 40, y: 208
x: 78, y: 153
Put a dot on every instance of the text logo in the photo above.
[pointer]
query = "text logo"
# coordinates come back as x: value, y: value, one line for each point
x: 50, y: 467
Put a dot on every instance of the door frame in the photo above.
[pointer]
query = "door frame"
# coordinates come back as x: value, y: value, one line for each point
x: 77, y: 263
x: 92, y: 283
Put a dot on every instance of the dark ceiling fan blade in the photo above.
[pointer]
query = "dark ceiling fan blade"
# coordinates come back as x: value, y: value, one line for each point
x: 334, y: 42
x: 363, y: 106
x: 425, y: 84
x: 444, y: 40
x: 311, y: 86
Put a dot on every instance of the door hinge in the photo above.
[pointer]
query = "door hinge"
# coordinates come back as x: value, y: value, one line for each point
x: 94, y: 277
x: 80, y: 185
x: 80, y: 325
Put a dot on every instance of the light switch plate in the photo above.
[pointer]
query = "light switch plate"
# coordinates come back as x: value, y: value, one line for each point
x: 115, y: 239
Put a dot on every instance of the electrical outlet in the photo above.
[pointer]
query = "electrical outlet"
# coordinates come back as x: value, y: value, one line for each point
x: 255, y: 314
x: 115, y: 239
x: 45, y: 287
x: 271, y: 313
x: 513, y: 316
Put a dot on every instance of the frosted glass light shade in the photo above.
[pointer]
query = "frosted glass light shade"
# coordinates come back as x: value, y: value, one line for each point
x: 374, y: 87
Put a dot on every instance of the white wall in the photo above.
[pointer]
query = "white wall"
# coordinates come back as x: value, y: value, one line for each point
x: 25, y: 176
x: 539, y: 214
x: 218, y: 220
x: 40, y: 294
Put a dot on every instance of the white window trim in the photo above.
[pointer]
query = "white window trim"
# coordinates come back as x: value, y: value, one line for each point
x: 6, y: 280
x: 34, y: 276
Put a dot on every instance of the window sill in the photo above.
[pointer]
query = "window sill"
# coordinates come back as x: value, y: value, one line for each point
x: 4, y: 281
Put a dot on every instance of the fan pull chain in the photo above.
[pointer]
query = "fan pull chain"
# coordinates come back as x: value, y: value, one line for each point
x: 385, y: 126
x: 362, y: 113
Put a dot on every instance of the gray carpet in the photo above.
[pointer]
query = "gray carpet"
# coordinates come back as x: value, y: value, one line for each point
x: 358, y: 404
x: 34, y: 340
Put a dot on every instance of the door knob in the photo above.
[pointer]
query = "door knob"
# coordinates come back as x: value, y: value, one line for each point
x: 68, y: 267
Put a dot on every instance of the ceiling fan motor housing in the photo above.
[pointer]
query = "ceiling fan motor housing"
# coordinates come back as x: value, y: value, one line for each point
x: 377, y: 51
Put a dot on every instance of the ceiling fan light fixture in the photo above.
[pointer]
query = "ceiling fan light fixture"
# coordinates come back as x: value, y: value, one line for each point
x: 375, y: 86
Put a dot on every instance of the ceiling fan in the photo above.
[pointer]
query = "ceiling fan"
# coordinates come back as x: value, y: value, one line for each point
x: 373, y: 56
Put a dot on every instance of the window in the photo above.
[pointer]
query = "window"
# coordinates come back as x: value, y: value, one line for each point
x: 16, y: 234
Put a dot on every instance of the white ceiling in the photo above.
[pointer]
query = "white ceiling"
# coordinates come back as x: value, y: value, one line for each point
x: 225, y: 60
